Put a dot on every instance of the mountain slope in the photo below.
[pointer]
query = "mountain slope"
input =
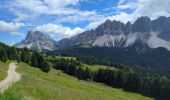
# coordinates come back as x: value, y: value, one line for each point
x: 4, y: 69
x: 38, y: 41
x: 37, y: 85
x: 154, y: 60
x: 154, y: 33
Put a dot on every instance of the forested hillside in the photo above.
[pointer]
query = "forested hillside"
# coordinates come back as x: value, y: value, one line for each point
x: 154, y: 60
x: 32, y: 58
x: 146, y: 83
x: 56, y: 85
x: 122, y: 76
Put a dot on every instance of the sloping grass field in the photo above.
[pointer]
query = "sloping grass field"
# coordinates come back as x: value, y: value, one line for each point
x: 96, y: 67
x: 55, y: 85
x: 3, y: 69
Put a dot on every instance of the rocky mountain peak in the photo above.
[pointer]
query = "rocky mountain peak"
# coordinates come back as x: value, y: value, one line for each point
x: 33, y: 33
x: 154, y: 33
x: 108, y: 21
x: 128, y: 27
x: 142, y: 24
x: 36, y: 40
x: 33, y: 36
x: 162, y: 25
x: 110, y: 27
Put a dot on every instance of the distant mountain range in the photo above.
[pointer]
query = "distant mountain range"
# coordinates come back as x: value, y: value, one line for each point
x: 144, y: 43
x: 153, y: 33
x: 37, y: 41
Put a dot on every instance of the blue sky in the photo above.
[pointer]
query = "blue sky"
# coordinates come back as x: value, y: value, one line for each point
x: 66, y: 18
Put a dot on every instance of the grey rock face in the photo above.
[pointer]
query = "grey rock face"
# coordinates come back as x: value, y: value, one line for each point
x: 142, y: 25
x: 154, y: 33
x: 38, y: 41
x: 162, y: 25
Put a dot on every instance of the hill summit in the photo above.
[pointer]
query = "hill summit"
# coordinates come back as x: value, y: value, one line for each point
x: 37, y: 41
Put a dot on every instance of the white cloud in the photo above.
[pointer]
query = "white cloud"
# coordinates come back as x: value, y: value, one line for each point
x: 60, y: 3
x: 45, y: 6
x: 94, y: 24
x: 64, y: 11
x: 24, y: 16
x: 130, y: 5
x: 123, y: 17
x: 121, y: 1
x: 153, y: 8
x: 61, y: 8
x: 124, y: 6
x: 150, y: 8
x: 11, y: 27
x: 81, y: 16
x: 59, y: 30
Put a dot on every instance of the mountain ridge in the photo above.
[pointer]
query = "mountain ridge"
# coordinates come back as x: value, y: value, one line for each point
x: 37, y: 41
x: 154, y: 33
x: 117, y: 34
x: 144, y: 43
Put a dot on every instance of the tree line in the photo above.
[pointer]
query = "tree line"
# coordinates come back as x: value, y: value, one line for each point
x: 125, y: 77
x: 155, y: 60
x: 146, y: 83
x: 34, y: 59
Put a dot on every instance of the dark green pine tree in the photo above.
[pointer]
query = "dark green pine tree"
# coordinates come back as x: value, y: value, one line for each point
x: 34, y: 61
x: 45, y: 67
x: 79, y: 73
x: 18, y: 58
x: 3, y: 55
x: 23, y: 56
x: 133, y: 82
x: 40, y: 60
x: 88, y: 74
x: 26, y: 56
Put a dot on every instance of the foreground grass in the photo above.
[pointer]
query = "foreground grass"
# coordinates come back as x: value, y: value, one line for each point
x: 55, y: 85
x: 3, y: 69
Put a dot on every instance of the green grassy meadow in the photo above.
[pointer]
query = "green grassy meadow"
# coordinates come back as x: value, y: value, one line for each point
x: 3, y: 69
x: 96, y: 67
x: 55, y: 85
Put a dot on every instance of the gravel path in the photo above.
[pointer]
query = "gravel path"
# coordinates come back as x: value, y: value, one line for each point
x: 12, y: 77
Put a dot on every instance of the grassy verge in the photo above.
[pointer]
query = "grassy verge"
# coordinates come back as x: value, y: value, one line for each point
x: 96, y: 67
x: 59, y: 57
x: 3, y: 69
x: 55, y: 85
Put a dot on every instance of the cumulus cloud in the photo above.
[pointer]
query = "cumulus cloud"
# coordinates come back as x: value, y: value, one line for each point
x: 45, y: 6
x: 61, y: 8
x: 150, y: 8
x: 81, y: 16
x: 123, y: 17
x: 10, y: 27
x: 121, y: 1
x: 65, y: 11
x: 60, y: 3
x: 153, y: 8
x: 94, y: 24
x: 59, y: 30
